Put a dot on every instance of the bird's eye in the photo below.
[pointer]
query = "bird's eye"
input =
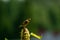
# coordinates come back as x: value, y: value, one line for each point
x: 26, y: 22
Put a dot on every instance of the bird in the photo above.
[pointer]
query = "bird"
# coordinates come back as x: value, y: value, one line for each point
x: 25, y: 35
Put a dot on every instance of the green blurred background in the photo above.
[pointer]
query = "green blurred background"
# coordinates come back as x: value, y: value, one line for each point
x: 42, y: 12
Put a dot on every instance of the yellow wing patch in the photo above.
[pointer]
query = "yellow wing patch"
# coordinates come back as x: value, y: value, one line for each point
x: 36, y: 36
